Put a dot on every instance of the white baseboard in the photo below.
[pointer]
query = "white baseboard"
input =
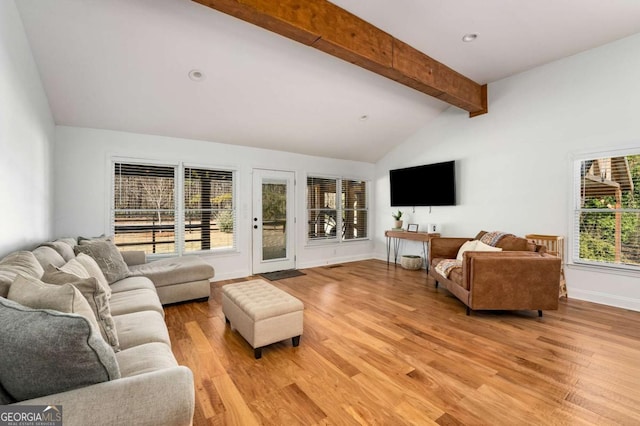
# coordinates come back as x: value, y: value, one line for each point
x: 605, y: 299
x: 333, y: 261
x: 243, y: 273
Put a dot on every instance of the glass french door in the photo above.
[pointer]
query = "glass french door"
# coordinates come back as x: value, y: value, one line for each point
x: 273, y: 221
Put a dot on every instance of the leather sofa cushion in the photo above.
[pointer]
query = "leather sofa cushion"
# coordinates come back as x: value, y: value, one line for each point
x: 512, y: 243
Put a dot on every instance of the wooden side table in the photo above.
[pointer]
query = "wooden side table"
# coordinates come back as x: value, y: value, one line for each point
x: 555, y: 247
x: 396, y: 238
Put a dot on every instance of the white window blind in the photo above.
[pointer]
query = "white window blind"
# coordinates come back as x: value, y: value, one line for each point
x: 146, y: 215
x: 336, y: 209
x: 144, y: 208
x: 355, y: 212
x: 607, y: 211
x: 209, y: 215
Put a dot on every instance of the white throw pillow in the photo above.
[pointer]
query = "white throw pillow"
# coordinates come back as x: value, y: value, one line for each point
x: 93, y: 269
x: 475, y: 245
x: 485, y: 247
x: 468, y: 246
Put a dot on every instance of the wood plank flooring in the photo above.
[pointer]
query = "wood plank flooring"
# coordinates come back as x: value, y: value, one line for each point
x: 381, y: 346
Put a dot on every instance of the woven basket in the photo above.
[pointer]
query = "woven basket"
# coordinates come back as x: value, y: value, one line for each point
x: 411, y: 262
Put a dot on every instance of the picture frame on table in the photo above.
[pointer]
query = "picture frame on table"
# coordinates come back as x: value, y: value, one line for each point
x: 412, y: 227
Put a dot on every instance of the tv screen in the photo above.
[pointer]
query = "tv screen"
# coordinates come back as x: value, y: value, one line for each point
x: 428, y: 185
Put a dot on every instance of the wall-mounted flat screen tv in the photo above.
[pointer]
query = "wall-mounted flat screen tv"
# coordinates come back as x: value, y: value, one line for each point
x: 427, y: 185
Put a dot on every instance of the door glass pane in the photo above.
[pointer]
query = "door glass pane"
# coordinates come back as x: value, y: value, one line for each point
x: 274, y: 220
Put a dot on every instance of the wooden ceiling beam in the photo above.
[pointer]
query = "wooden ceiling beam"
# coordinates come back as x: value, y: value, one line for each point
x: 333, y: 30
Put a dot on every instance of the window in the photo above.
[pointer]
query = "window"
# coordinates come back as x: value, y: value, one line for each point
x: 336, y: 209
x: 146, y: 215
x: 144, y: 207
x: 208, y: 209
x: 607, y: 211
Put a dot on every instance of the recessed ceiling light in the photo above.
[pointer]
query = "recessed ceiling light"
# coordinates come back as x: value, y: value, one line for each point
x: 364, y: 117
x: 196, y: 75
x: 467, y: 38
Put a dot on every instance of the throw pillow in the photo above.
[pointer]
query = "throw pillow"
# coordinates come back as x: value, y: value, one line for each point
x: 75, y: 267
x: 468, y: 246
x: 475, y: 245
x: 33, y: 293
x: 485, y: 247
x: 95, y: 295
x: 107, y: 256
x: 94, y: 271
x: 46, y: 352
x: 103, y: 237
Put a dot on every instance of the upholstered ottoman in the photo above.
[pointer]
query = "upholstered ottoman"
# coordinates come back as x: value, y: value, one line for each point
x: 262, y: 313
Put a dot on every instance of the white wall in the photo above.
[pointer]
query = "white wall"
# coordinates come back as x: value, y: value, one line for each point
x: 82, y: 179
x: 26, y: 140
x: 514, y: 163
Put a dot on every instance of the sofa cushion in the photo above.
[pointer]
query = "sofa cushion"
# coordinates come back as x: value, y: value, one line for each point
x: 513, y: 243
x: 95, y: 295
x: 19, y: 262
x: 46, y: 352
x: 32, y: 292
x: 92, y: 268
x: 107, y: 256
x: 132, y: 283
x: 134, y: 301
x: 455, y: 275
x: 174, y: 270
x: 138, y: 328
x: 145, y: 359
x: 48, y: 256
x: 63, y: 247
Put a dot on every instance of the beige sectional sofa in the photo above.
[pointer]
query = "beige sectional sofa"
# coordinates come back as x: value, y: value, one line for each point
x: 134, y: 380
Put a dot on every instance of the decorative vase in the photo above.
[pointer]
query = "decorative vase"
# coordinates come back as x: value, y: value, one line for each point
x: 411, y: 261
x: 398, y: 224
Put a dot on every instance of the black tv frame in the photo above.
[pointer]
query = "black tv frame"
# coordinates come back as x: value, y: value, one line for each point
x: 426, y: 185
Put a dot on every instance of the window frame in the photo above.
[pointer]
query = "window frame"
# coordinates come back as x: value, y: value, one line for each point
x: 339, y: 209
x: 179, y: 205
x: 573, y: 248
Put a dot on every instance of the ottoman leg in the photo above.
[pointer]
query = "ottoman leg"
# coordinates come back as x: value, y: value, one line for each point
x: 257, y: 352
x: 295, y: 340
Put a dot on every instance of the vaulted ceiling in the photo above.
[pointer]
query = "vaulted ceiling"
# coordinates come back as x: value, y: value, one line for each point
x: 124, y: 65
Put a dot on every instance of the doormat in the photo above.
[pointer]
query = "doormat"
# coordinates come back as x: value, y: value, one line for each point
x: 280, y: 275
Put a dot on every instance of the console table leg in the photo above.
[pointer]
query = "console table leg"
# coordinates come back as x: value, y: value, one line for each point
x: 388, y: 250
x: 396, y: 249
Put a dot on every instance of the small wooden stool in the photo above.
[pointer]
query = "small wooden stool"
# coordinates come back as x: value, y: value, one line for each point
x: 262, y: 313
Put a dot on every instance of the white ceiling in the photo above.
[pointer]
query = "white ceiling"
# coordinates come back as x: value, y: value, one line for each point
x: 123, y: 65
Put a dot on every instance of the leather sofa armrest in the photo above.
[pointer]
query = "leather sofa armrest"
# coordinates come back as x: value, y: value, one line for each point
x: 134, y: 257
x: 162, y: 397
x: 445, y: 247
x: 512, y: 280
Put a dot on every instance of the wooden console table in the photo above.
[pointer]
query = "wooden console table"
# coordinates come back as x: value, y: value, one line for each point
x: 396, y: 238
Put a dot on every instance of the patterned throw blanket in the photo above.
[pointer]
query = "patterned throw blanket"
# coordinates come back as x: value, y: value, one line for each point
x: 444, y: 267
x: 493, y: 238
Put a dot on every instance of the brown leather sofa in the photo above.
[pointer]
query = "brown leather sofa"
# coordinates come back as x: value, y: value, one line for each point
x: 521, y: 277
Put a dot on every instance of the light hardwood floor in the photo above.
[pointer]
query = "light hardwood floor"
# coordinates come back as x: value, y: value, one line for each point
x: 381, y: 346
